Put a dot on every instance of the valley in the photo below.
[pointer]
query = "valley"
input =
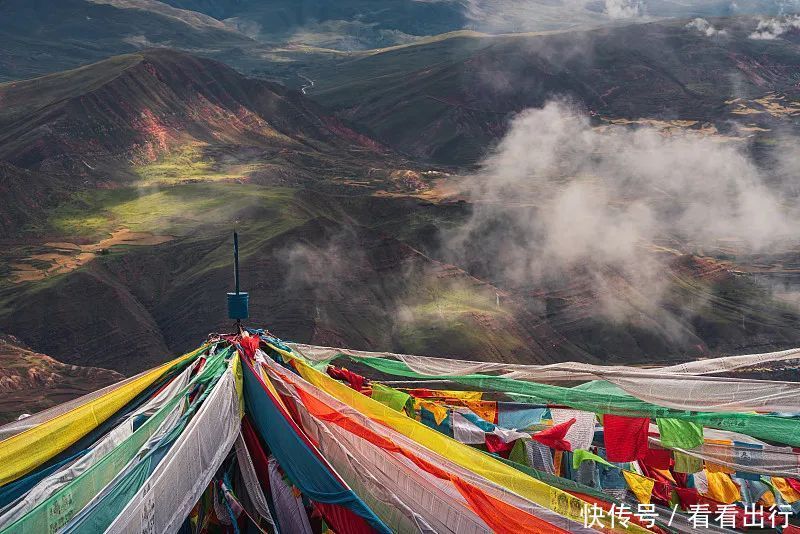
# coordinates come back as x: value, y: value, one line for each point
x: 508, y: 266
x: 123, y: 180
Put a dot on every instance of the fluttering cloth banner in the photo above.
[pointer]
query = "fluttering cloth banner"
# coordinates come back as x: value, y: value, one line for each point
x: 51, y: 484
x: 61, y: 506
x: 604, y: 397
x: 160, y: 438
x: 289, y: 509
x: 111, y: 501
x: 412, y: 488
x: 581, y: 433
x: 15, y: 427
x: 27, y: 450
x: 255, y: 492
x: 471, y: 459
x: 296, y: 454
x: 565, y: 371
x: 167, y: 496
x: 682, y: 387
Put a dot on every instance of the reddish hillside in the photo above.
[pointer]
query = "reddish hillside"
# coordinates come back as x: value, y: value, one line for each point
x: 31, y: 382
x: 99, y: 119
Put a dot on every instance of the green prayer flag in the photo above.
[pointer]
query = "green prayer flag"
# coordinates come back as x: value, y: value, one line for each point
x: 679, y: 434
x: 687, y: 464
x: 81, y: 490
x: 579, y: 456
x: 394, y: 399
x: 605, y: 398
x: 518, y: 453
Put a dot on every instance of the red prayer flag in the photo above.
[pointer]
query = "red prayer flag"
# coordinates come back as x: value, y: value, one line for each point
x: 356, y: 381
x: 422, y: 393
x: 343, y: 519
x: 688, y: 497
x: 659, y: 458
x: 625, y: 437
x: 495, y: 444
x: 662, y: 489
x: 250, y: 345
x: 553, y: 437
x: 681, y: 479
x: 257, y: 453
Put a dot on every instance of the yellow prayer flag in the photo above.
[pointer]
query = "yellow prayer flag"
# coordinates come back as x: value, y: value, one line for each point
x: 641, y: 486
x: 24, y: 452
x: 722, y: 488
x: 767, y: 500
x: 461, y: 395
x: 486, y: 410
x: 558, y: 456
x: 787, y: 492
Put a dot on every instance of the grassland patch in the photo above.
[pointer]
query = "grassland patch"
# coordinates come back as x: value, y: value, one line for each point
x: 167, y: 210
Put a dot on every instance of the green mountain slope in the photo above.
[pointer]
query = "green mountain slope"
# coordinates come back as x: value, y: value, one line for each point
x: 127, y: 177
x: 448, y: 100
x: 165, y: 117
x: 44, y: 36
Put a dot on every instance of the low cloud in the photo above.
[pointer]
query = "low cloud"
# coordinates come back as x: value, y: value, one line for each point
x: 536, y: 15
x: 559, y: 197
x: 623, y: 9
x: 773, y: 28
x: 325, y: 270
x: 705, y: 27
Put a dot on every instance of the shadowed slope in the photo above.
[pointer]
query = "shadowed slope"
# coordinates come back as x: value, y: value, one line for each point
x: 42, y: 36
x: 31, y: 382
x: 448, y: 100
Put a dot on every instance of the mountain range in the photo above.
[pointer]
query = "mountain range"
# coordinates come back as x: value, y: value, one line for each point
x: 446, y: 100
x: 45, y: 36
x: 135, y: 135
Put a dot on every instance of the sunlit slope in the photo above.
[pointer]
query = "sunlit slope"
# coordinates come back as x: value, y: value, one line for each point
x: 163, y: 117
x: 136, y: 108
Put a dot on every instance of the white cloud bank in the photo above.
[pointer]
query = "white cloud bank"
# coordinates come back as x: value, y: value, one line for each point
x: 773, y: 28
x: 558, y: 195
x: 705, y: 27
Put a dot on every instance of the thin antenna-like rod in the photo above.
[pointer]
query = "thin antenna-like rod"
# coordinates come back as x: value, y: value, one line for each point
x: 236, y: 258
